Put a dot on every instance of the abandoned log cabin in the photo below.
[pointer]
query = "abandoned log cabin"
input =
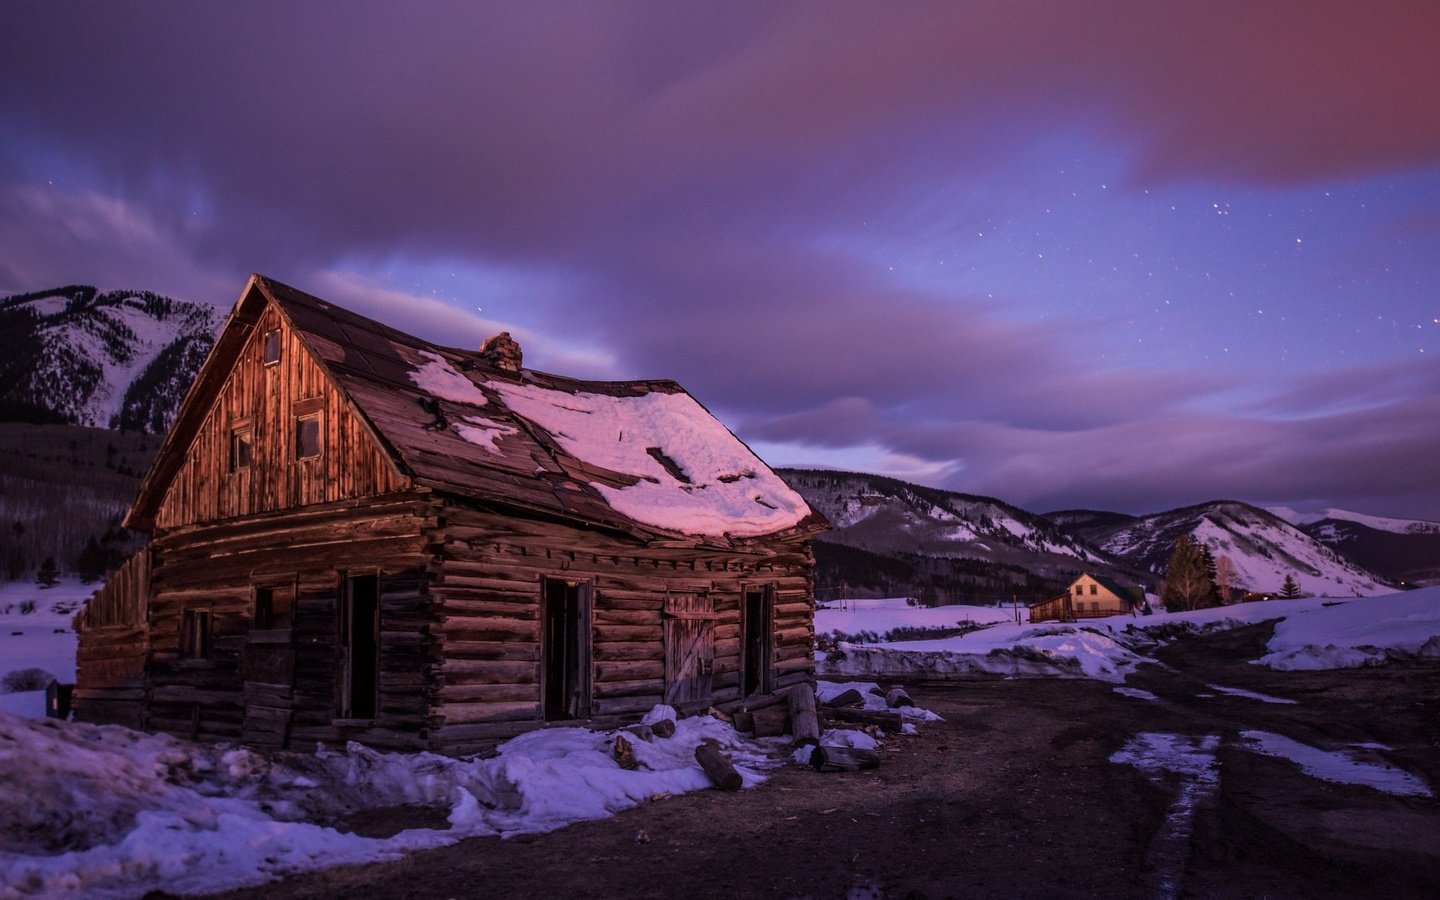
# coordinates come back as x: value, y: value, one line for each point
x: 358, y: 535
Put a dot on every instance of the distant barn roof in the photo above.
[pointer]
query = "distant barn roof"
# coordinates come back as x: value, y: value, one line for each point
x: 639, y: 456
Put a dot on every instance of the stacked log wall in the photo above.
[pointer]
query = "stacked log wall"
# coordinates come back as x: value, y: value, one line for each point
x: 215, y: 568
x: 489, y: 587
x: 111, y: 649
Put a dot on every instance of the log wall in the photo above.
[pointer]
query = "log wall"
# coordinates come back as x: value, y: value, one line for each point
x: 488, y: 587
x: 110, y: 654
x: 267, y: 399
x: 215, y: 569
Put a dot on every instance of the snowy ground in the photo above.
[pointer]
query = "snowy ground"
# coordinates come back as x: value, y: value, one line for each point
x: 41, y: 639
x: 1315, y: 633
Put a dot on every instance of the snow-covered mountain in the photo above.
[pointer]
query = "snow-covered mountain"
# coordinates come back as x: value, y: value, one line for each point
x: 108, y: 359
x: 1378, y: 523
x: 1263, y: 547
x: 1405, y: 551
x: 917, y: 534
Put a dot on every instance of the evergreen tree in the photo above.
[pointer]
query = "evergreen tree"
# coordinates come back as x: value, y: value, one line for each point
x: 91, y: 563
x: 1291, y: 588
x: 1187, y: 584
x: 49, y: 573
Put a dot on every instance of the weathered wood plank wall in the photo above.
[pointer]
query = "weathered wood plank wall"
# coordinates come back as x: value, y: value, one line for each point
x: 267, y: 399
x: 110, y: 654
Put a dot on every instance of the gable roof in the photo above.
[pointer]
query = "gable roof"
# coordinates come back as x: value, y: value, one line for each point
x: 1111, y: 585
x: 641, y: 457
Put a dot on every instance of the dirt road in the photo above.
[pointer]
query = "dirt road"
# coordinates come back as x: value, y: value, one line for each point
x: 1014, y: 795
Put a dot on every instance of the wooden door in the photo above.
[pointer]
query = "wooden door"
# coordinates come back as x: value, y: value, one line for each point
x: 267, y: 667
x: 689, y: 648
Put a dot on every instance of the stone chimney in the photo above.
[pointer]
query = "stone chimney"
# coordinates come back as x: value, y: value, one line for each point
x: 502, y: 352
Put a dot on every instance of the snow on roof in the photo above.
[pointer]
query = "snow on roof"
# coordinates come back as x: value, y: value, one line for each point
x: 439, y: 379
x: 482, y: 432
x: 694, y: 476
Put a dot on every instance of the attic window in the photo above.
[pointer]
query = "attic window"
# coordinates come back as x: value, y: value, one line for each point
x: 307, y: 437
x: 670, y: 465
x: 240, y: 445
x: 272, y: 347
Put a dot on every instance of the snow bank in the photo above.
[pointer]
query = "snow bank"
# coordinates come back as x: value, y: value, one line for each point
x: 41, y: 639
x: 1350, y: 634
x: 695, y: 477
x: 102, y: 811
x: 848, y: 617
x: 1313, y: 633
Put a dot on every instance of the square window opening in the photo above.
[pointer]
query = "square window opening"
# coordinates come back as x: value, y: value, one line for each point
x: 307, y: 437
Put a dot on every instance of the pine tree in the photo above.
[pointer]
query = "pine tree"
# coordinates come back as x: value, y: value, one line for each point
x: 90, y: 564
x: 49, y: 573
x: 1187, y: 584
x: 1291, y: 588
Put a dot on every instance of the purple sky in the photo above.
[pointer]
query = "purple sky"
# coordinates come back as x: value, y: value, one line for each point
x: 1116, y: 255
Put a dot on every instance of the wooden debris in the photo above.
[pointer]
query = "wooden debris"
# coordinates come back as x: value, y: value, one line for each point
x: 624, y: 753
x: 745, y: 721
x: 850, y: 697
x: 772, y: 721
x: 643, y: 732
x: 714, y: 713
x: 663, y: 728
x: 892, y: 722
x: 718, y: 769
x: 896, y: 698
x: 804, y: 723
x: 843, y: 759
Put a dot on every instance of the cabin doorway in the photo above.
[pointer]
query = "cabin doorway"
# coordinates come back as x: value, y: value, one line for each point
x: 689, y: 648
x: 758, y: 621
x: 566, y: 650
x: 267, y: 665
x: 360, y: 646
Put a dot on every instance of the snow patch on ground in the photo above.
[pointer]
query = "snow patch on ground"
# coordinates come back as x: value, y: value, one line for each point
x: 104, y: 811
x: 1136, y: 693
x: 1336, y: 766
x: 1249, y: 695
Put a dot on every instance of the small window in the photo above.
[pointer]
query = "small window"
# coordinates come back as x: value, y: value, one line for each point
x: 240, y: 444
x: 1095, y: 607
x: 274, y: 608
x: 307, y: 437
x: 272, y: 347
x: 195, y: 634
x: 1094, y: 589
x: 1079, y: 589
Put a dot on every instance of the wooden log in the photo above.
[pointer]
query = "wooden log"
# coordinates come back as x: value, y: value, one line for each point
x: 883, y: 719
x: 849, y: 697
x: 843, y: 759
x: 892, y: 722
x: 625, y: 753
x: 804, y: 723
x: 663, y: 728
x: 643, y: 732
x: 717, y: 768
x: 896, y: 698
x: 744, y: 721
x: 770, y: 721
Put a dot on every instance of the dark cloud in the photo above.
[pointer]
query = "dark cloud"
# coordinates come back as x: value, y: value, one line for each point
x: 689, y: 170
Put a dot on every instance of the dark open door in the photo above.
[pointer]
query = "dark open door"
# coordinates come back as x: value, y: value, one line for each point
x: 566, y: 650
x: 689, y: 648
x: 359, y: 647
x: 758, y: 623
x: 267, y: 665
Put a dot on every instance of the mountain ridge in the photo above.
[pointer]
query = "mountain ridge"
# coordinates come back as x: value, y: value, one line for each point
x: 118, y: 359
